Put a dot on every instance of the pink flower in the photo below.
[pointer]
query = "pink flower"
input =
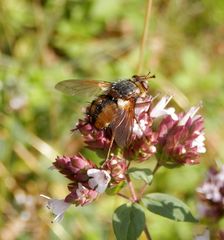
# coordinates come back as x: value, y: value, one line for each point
x: 94, y: 138
x: 181, y: 141
x: 83, y: 193
x: 87, y: 181
x: 80, y: 194
x: 117, y: 167
x: 142, y: 142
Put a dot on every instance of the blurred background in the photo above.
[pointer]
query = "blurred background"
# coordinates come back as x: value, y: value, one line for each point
x: 46, y: 41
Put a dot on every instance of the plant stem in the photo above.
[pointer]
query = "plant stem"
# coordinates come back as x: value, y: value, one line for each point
x: 146, y: 184
x: 132, y: 190
x: 147, y: 234
x: 156, y: 168
x: 144, y: 36
x: 135, y: 199
x: 139, y: 69
x: 123, y: 196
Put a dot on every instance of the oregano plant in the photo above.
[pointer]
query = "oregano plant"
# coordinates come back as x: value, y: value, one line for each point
x: 158, y: 134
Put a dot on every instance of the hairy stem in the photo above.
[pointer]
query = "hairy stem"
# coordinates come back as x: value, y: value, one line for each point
x: 144, y: 36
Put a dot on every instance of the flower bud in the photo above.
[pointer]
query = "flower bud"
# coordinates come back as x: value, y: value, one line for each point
x: 74, y: 168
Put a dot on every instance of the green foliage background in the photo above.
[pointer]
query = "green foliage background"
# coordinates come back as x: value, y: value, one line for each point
x: 45, y: 41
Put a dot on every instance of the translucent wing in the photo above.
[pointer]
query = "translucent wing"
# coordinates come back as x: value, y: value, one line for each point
x: 82, y: 87
x: 122, y: 126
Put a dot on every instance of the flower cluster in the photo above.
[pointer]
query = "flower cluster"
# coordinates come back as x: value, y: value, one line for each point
x: 211, y: 195
x: 174, y: 139
x: 87, y: 183
x: 181, y: 139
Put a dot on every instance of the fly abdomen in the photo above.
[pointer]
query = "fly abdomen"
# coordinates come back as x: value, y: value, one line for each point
x: 102, y: 111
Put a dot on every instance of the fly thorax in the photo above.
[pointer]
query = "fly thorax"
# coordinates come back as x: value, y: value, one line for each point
x: 123, y: 89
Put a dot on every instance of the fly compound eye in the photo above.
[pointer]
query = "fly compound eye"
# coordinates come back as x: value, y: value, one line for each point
x: 136, y: 78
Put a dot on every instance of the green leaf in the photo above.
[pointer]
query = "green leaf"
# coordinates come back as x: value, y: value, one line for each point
x: 114, y: 190
x: 168, y: 206
x: 144, y: 174
x: 128, y: 221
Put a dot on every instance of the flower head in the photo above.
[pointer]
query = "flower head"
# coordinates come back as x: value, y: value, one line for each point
x: 144, y: 139
x: 117, y: 167
x: 181, y: 141
x: 87, y: 182
x: 211, y: 194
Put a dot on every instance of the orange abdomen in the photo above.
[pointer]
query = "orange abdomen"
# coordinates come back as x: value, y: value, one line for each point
x: 103, y: 111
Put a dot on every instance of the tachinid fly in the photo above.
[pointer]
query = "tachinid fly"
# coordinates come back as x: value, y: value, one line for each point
x: 114, y: 104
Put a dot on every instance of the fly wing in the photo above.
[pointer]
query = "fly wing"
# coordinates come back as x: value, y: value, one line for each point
x: 82, y: 88
x: 122, y: 126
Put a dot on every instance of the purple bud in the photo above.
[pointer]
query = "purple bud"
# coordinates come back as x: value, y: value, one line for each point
x: 73, y: 167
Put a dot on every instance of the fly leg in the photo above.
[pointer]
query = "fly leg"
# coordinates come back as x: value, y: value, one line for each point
x: 109, y: 150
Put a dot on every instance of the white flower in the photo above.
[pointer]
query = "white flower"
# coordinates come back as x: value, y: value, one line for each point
x: 204, y: 236
x: 199, y: 143
x: 190, y: 114
x: 159, y: 110
x: 211, y: 191
x: 139, y: 128
x: 152, y: 149
x: 99, y: 179
x: 81, y: 190
x: 57, y: 207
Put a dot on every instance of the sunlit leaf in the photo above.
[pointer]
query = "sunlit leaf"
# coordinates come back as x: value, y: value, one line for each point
x: 128, y: 221
x: 144, y: 174
x: 114, y: 190
x: 168, y: 206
